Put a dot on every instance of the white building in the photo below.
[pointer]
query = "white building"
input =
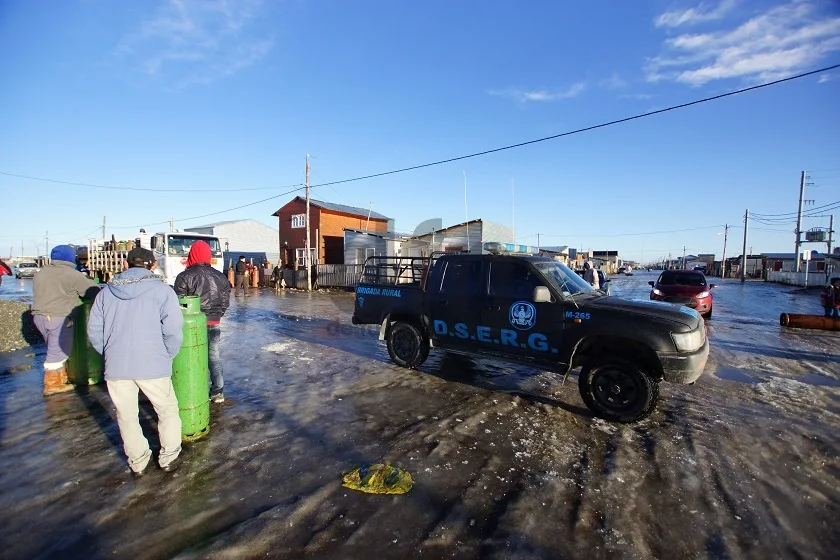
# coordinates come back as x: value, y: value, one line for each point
x: 244, y: 236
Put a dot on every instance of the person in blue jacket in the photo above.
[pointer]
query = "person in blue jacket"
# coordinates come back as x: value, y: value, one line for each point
x: 136, y: 324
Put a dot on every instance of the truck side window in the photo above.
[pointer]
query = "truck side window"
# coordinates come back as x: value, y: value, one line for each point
x: 513, y: 280
x: 461, y: 278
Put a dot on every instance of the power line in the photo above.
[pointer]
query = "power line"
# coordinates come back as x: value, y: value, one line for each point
x: 585, y: 129
x: 473, y: 155
x: 791, y: 214
x: 111, y: 187
x: 212, y: 213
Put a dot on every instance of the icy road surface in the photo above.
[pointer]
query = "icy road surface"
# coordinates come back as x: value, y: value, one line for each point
x: 507, y: 462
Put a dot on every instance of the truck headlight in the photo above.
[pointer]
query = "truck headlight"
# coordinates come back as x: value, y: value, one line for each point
x: 690, y: 341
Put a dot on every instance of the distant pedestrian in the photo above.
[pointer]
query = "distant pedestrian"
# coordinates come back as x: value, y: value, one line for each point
x: 202, y: 280
x: 5, y: 270
x: 276, y: 275
x: 57, y: 289
x: 830, y: 298
x: 239, y: 277
x: 591, y: 276
x: 136, y: 324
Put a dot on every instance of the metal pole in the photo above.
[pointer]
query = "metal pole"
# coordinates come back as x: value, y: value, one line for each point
x: 683, y: 257
x: 104, y: 223
x: 723, y: 258
x: 744, y: 256
x: 47, y: 246
x: 306, y: 256
x: 830, y: 232
x: 799, y: 219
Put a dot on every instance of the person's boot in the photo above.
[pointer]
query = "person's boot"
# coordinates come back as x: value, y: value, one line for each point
x: 55, y: 381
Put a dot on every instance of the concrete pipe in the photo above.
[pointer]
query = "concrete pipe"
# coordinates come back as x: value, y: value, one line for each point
x: 818, y: 322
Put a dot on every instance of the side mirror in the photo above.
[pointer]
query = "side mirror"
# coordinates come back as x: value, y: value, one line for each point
x: 652, y: 283
x: 712, y: 286
x: 153, y: 242
x: 542, y: 295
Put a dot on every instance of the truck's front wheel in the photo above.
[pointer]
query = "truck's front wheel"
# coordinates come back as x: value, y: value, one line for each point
x: 618, y: 391
x: 407, y: 345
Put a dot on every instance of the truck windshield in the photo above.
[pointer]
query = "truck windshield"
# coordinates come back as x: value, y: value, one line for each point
x: 180, y: 244
x: 561, y: 277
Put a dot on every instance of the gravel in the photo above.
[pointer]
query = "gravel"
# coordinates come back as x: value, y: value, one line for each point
x: 16, y: 327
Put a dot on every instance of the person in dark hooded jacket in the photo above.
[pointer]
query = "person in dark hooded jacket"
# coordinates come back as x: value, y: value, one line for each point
x: 137, y: 326
x: 202, y: 280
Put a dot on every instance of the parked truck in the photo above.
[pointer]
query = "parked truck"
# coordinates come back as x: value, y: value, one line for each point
x: 538, y: 312
x: 106, y: 258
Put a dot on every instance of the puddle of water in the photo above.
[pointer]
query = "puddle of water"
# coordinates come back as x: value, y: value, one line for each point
x: 740, y: 376
x: 732, y: 374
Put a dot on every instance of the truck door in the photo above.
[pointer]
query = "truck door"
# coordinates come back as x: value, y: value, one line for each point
x: 518, y: 326
x: 452, y: 301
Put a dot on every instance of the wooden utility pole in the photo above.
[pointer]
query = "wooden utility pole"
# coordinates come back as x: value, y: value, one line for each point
x: 47, y: 246
x: 683, y: 257
x: 104, y: 223
x: 723, y: 257
x: 306, y: 257
x: 830, y: 232
x: 744, y: 256
x: 799, y: 219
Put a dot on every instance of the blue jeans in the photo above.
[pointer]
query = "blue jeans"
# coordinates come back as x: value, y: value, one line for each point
x: 214, y: 360
x: 832, y: 312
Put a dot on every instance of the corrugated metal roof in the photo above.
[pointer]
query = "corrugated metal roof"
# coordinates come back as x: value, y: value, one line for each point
x: 790, y: 256
x: 225, y: 222
x: 384, y: 235
x: 346, y: 209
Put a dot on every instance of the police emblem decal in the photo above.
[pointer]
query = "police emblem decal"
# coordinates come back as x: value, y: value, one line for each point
x: 523, y: 315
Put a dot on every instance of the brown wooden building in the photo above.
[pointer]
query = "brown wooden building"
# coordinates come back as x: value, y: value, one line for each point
x: 326, y: 229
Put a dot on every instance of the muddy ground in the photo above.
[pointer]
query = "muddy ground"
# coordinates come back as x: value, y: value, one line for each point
x: 507, y: 462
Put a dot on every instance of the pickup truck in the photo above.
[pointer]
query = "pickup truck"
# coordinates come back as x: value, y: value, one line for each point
x: 534, y: 311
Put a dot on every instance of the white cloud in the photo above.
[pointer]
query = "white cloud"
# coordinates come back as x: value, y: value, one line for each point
x: 613, y: 82
x: 637, y: 96
x: 525, y: 96
x: 690, y: 16
x: 197, y: 41
x: 771, y: 45
x: 824, y: 78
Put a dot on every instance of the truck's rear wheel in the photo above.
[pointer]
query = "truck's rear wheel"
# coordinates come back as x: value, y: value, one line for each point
x: 407, y: 345
x: 618, y: 391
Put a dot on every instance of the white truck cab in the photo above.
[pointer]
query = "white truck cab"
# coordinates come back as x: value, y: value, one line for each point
x: 172, y: 249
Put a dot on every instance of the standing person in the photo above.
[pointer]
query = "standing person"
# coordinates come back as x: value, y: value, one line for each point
x: 830, y: 298
x: 136, y: 324
x: 5, y: 270
x: 590, y: 275
x: 202, y: 280
x: 239, y: 277
x: 57, y: 288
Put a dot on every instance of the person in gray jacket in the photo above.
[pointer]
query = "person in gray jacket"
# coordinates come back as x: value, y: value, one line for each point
x: 57, y: 289
x: 136, y: 324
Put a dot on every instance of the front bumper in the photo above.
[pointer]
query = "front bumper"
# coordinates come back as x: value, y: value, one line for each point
x: 684, y: 368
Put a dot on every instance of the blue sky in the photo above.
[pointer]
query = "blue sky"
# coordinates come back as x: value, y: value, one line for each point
x: 209, y: 95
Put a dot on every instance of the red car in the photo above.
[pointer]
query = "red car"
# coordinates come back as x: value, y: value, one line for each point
x: 685, y: 287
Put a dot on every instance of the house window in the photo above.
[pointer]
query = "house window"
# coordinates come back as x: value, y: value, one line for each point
x: 363, y: 254
x: 820, y: 266
x: 300, y: 255
x: 299, y: 220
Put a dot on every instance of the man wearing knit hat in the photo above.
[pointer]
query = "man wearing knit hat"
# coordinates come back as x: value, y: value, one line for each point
x: 201, y: 279
x: 58, y: 287
x: 137, y: 325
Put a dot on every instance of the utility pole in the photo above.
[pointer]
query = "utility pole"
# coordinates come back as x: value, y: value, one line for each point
x: 538, y: 242
x: 104, y: 223
x: 306, y: 257
x: 47, y: 246
x: 744, y: 256
x: 830, y: 231
x: 21, y: 248
x: 723, y: 257
x: 683, y: 257
x: 799, y: 219
x: 171, y: 225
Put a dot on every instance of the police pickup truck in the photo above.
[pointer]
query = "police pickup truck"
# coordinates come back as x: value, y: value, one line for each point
x: 534, y: 311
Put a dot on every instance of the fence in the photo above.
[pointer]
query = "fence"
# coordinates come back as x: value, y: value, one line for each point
x: 337, y: 275
x: 815, y: 279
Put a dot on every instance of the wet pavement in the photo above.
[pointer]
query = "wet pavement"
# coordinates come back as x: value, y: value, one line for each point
x: 507, y: 462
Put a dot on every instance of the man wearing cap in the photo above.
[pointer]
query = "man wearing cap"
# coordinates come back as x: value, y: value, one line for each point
x: 57, y: 289
x: 239, y: 277
x: 136, y: 324
x: 202, y: 280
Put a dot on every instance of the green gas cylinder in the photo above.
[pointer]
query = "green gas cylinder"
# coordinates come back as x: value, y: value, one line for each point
x: 84, y: 366
x: 190, y: 376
